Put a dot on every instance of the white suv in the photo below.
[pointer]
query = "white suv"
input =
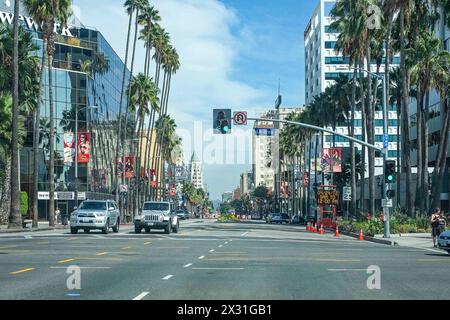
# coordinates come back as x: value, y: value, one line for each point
x: 95, y: 214
x: 156, y: 215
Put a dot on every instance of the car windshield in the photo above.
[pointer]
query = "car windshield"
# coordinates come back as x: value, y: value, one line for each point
x: 93, y: 205
x: 160, y: 206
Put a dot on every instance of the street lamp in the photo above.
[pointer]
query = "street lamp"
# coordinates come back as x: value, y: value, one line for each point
x: 76, y: 150
x: 385, y: 134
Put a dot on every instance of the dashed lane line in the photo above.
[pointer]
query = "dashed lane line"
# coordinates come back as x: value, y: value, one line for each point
x: 101, y: 253
x: 142, y: 295
x: 187, y: 265
x: 167, y: 277
x: 66, y: 260
x: 201, y: 257
x: 21, y: 271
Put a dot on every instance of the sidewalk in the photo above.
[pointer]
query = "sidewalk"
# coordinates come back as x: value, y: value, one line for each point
x: 42, y: 226
x: 418, y: 240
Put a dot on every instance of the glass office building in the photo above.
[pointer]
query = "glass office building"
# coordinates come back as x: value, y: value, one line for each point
x: 86, y: 72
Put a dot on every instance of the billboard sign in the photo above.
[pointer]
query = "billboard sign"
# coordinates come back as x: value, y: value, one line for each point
x: 69, y: 147
x: 84, y: 147
x: 129, y: 167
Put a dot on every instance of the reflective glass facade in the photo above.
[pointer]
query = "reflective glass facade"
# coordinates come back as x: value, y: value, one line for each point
x: 86, y: 72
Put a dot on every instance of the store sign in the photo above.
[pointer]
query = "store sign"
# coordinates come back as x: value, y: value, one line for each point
x: 43, y: 195
x: 30, y: 24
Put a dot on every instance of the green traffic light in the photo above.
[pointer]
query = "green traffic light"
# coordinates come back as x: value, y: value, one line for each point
x: 390, y: 178
x: 225, y: 129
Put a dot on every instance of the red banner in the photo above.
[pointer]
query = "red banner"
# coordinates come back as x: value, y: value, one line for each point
x: 153, y: 181
x: 119, y: 167
x: 336, y: 160
x: 84, y: 147
x: 129, y: 167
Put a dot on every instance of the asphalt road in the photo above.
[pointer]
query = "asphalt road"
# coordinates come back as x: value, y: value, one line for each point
x: 211, y: 260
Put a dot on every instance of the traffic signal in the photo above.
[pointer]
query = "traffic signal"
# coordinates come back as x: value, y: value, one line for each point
x: 222, y: 121
x: 390, y: 194
x: 389, y: 171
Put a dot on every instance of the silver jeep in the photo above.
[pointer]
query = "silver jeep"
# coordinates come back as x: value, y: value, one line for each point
x: 156, y: 215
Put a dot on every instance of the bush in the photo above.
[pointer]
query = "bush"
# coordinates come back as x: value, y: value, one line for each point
x: 23, y: 203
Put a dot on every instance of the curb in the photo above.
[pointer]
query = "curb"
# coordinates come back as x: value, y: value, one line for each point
x: 367, y: 238
x: 28, y: 230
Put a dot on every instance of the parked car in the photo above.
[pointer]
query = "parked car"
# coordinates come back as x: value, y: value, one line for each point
x: 95, y: 214
x: 444, y: 241
x: 156, y: 215
x: 274, y: 218
x: 182, y: 214
x: 298, y: 220
x: 285, y: 218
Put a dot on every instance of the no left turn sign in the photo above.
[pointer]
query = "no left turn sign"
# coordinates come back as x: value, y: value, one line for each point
x: 240, y: 118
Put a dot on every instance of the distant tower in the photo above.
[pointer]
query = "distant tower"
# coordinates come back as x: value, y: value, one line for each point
x: 196, y: 174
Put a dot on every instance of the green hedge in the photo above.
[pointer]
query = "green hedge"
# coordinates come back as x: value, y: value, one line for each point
x: 399, y: 223
x: 23, y: 203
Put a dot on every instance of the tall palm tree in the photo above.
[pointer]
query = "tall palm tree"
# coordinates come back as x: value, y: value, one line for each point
x: 148, y: 18
x: 15, y: 220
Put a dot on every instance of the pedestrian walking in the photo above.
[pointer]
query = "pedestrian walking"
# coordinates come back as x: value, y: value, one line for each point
x: 57, y: 214
x: 438, y: 224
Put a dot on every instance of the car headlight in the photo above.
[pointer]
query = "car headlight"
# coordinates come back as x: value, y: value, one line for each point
x: 102, y: 214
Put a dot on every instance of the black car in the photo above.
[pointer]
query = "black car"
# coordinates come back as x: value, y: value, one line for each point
x: 298, y: 220
x: 285, y: 218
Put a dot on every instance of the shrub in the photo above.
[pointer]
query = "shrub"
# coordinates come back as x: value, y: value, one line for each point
x: 23, y: 203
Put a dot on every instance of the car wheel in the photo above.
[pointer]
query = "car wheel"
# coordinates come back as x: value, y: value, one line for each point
x: 105, y: 230
x: 86, y: 230
x: 137, y: 230
x: 175, y: 230
x: 147, y: 230
x: 117, y: 226
x: 73, y: 230
x: 168, y: 228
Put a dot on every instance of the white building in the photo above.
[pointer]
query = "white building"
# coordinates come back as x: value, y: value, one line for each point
x: 323, y: 64
x: 196, y: 174
x: 263, y: 138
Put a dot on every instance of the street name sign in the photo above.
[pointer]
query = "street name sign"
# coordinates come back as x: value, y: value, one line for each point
x: 386, y: 203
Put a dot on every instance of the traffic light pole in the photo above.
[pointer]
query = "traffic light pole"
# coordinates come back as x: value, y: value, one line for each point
x: 383, y: 150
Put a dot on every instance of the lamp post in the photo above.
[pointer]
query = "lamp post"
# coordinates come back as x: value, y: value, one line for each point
x: 76, y: 149
x: 385, y: 134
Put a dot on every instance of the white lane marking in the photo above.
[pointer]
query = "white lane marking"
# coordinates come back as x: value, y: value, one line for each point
x: 226, y: 242
x: 231, y: 240
x: 98, y: 236
x: 142, y: 295
x: 187, y: 265
x: 217, y: 268
x: 212, y: 250
x: 167, y: 277
x: 57, y: 267
x: 28, y: 237
x: 201, y: 257
x: 428, y: 249
x: 345, y: 270
x: 220, y: 246
x: 244, y: 234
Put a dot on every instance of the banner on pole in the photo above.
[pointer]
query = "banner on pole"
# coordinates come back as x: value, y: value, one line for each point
x: 129, y: 167
x: 84, y: 147
x: 69, y: 147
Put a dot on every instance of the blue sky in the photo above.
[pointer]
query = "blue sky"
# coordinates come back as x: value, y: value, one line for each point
x: 232, y: 53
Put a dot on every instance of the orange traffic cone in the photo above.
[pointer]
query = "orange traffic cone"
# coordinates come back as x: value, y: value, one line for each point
x: 315, y: 230
x: 336, y: 233
x: 361, y: 236
x: 321, y: 229
x: 308, y: 227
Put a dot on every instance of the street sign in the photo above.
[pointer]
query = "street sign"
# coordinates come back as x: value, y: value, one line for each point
x: 64, y: 195
x: 385, y: 140
x: 43, y: 195
x: 240, y: 118
x: 327, y: 197
x: 347, y: 194
x: 386, y: 203
x: 265, y: 132
x: 124, y: 188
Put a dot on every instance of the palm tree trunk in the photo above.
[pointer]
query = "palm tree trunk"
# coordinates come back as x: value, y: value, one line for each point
x: 51, y: 205
x: 363, y: 133
x: 37, y: 111
x: 425, y: 187
x: 441, y: 158
x: 5, y: 198
x: 119, y: 133
x: 419, y: 139
x: 370, y: 131
x: 405, y: 117
x: 15, y: 220
x: 352, y: 144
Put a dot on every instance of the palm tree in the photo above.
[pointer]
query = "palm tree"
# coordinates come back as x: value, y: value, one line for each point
x: 46, y: 13
x: 426, y: 57
x: 131, y: 6
x: 15, y: 220
x: 148, y: 18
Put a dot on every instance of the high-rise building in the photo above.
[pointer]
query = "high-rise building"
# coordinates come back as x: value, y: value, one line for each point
x: 323, y: 65
x: 263, y: 138
x: 196, y: 174
x: 246, y: 184
x: 93, y: 93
